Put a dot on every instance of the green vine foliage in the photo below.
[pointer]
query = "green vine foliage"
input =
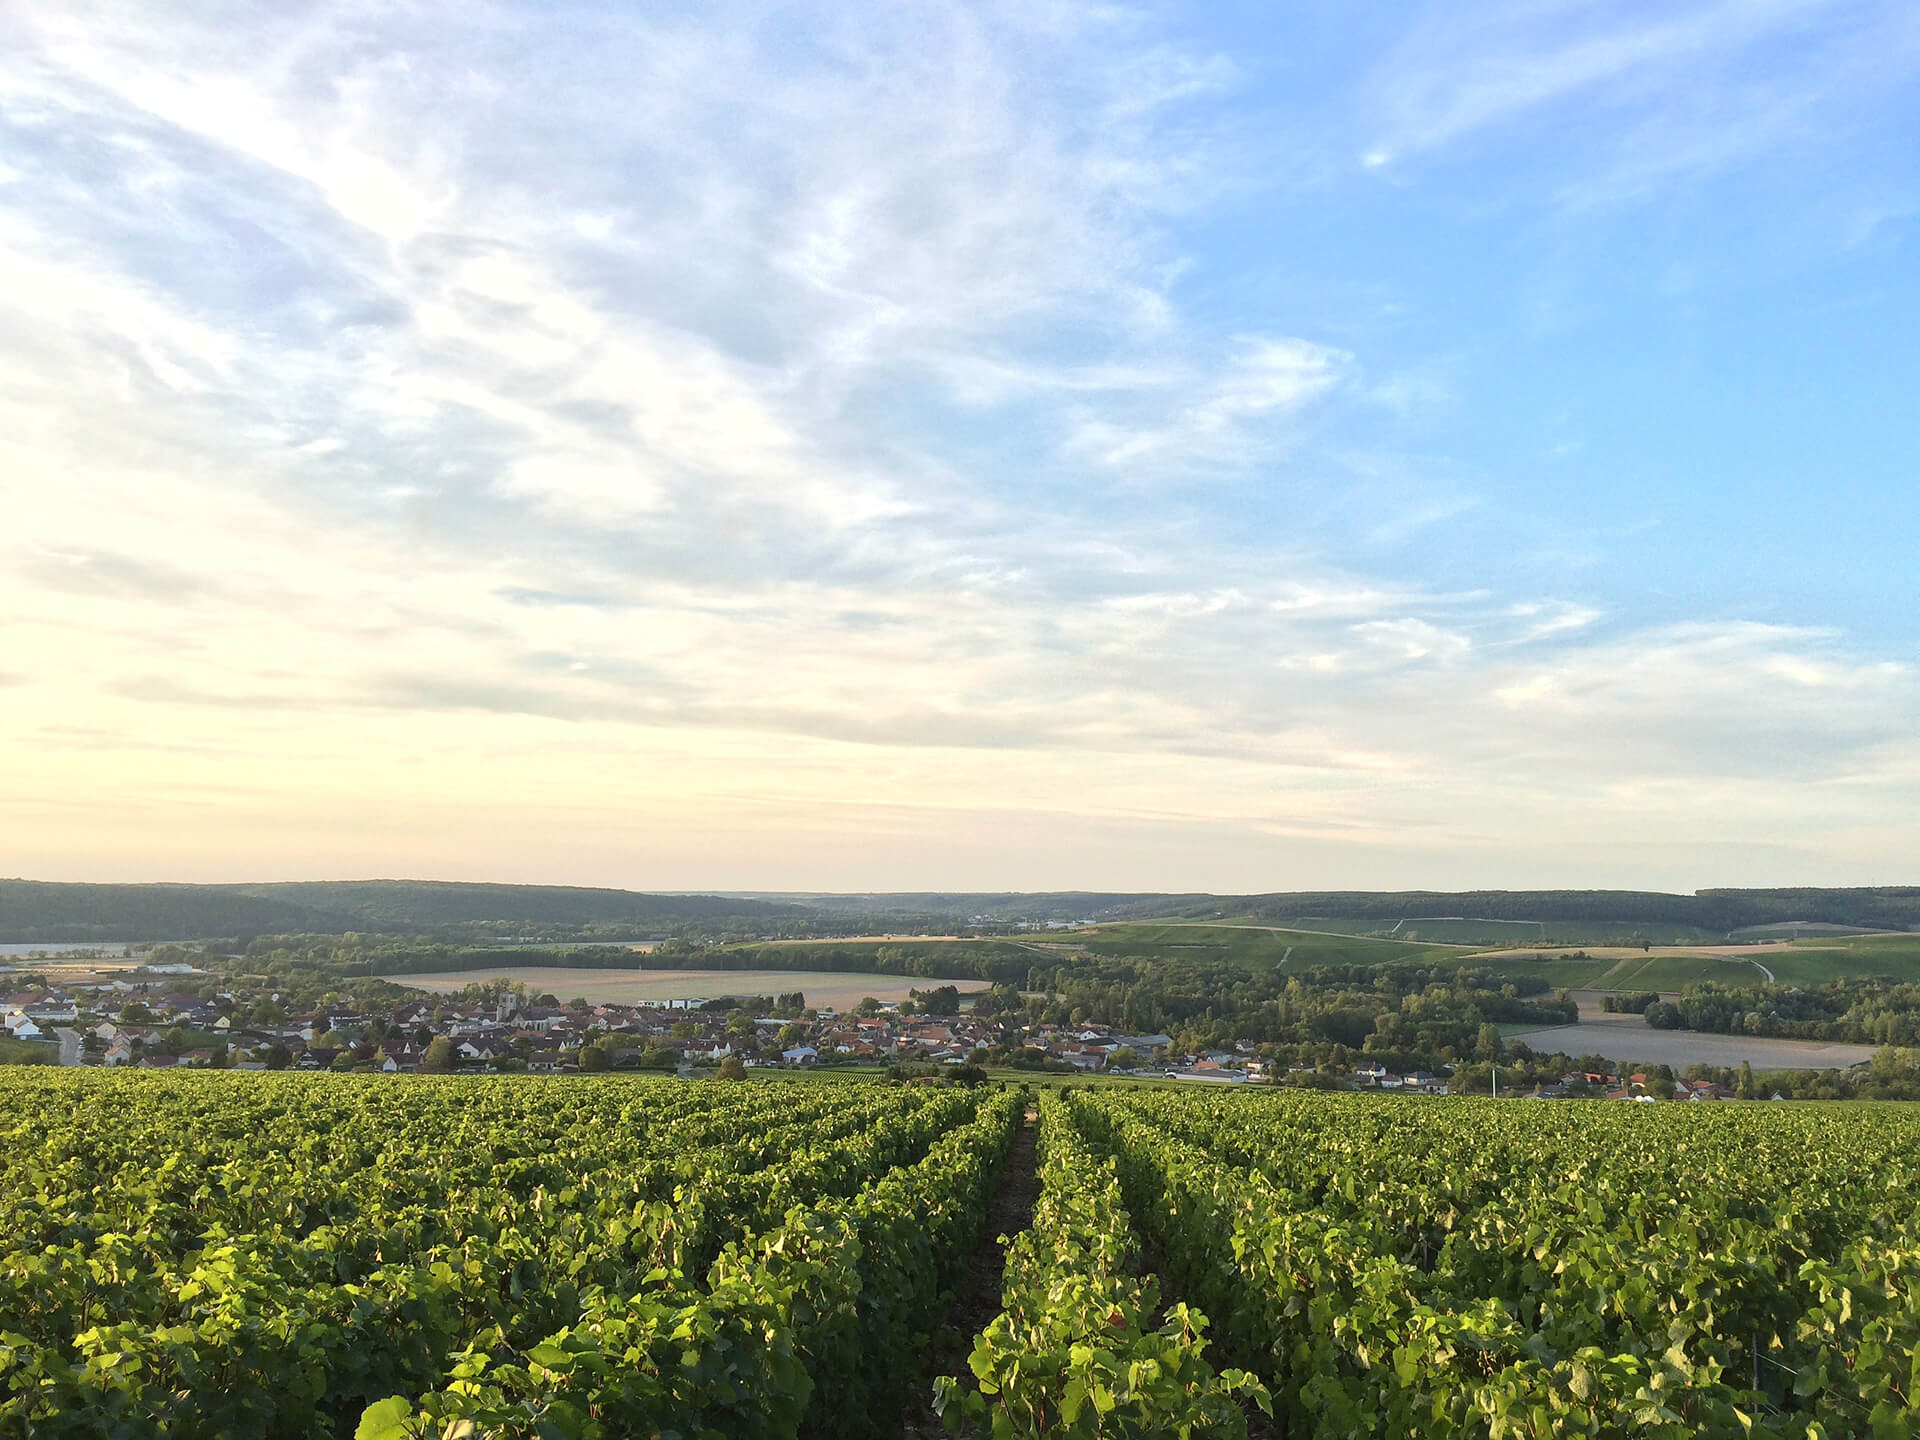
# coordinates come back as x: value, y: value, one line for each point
x: 1080, y: 1348
x: 311, y: 1257
x: 1475, y: 1269
x: 307, y: 1256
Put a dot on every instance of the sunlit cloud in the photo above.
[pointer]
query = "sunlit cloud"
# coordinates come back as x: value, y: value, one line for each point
x: 676, y: 451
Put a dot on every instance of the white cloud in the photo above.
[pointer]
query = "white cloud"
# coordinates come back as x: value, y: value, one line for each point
x: 663, y: 431
x: 1545, y: 619
x: 1223, y: 418
x: 1411, y: 639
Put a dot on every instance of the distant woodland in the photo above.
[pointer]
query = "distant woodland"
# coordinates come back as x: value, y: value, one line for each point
x: 36, y: 910
x: 33, y: 911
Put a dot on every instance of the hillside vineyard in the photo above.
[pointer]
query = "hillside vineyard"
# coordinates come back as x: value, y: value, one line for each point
x: 230, y: 1254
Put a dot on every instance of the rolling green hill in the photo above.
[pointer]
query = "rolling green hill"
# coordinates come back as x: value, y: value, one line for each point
x: 1808, y: 963
x: 40, y: 911
x: 1476, y: 917
x: 35, y: 911
x: 1599, y: 914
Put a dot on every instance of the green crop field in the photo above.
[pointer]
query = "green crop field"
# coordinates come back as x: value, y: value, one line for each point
x: 224, y: 1254
x: 1449, y: 930
x: 1676, y: 972
x: 1256, y: 947
x: 26, y: 1052
x: 1808, y: 962
x: 1251, y: 946
x: 1569, y: 972
x: 1569, y: 932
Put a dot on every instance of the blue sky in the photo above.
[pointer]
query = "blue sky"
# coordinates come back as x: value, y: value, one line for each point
x: 1049, y: 445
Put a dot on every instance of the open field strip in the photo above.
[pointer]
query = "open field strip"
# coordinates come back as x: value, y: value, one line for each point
x: 823, y: 989
x: 1672, y: 967
x: 71, y: 972
x: 1304, y: 930
x: 1254, y: 946
x: 901, y: 939
x: 1635, y: 952
x: 1624, y: 1038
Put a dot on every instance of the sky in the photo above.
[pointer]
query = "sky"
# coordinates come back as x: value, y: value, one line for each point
x: 1030, y: 446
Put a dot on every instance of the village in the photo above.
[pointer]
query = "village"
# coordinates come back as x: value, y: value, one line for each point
x: 147, y: 1019
x: 141, y: 1021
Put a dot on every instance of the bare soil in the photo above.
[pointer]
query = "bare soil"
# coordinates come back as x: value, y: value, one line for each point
x: 1629, y: 1038
x: 978, y: 1299
x: 836, y: 989
x: 1629, y: 952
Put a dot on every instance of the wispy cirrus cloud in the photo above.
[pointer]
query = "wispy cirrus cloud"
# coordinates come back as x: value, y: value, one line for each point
x: 1222, y: 418
x: 1676, y: 89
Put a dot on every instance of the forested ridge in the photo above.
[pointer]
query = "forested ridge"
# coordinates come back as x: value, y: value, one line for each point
x: 1891, y: 907
x: 32, y: 910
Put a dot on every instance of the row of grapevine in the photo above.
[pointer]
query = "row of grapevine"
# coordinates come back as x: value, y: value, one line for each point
x: 396, y: 1259
x: 246, y: 1254
x: 827, y: 1305
x: 1081, y: 1347
x: 1482, y: 1270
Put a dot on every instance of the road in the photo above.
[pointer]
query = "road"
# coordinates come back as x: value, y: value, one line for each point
x: 69, y: 1045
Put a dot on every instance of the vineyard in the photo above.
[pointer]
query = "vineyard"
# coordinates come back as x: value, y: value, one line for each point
x: 358, y: 1256
x: 314, y: 1256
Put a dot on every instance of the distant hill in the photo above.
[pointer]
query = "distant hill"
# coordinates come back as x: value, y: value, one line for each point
x: 1713, y: 912
x: 1004, y: 906
x: 1873, y: 908
x: 33, y: 910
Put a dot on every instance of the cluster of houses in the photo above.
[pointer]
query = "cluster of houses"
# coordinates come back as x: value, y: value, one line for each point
x: 1635, y: 1087
x: 46, y: 1015
x: 36, y: 1014
x: 1375, y: 1076
x: 510, y: 1032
